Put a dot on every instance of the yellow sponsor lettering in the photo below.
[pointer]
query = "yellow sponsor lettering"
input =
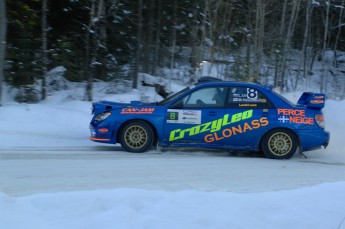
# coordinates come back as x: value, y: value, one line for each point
x: 212, y: 126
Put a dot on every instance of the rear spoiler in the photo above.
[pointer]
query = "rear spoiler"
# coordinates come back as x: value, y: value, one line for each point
x: 312, y: 100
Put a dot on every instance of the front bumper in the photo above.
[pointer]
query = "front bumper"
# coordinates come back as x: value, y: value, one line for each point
x: 103, y: 135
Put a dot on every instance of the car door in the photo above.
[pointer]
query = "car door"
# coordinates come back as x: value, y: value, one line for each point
x: 249, y: 111
x: 190, y: 118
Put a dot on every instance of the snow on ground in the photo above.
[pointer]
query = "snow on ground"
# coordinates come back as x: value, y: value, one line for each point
x: 62, y: 122
x: 314, y: 207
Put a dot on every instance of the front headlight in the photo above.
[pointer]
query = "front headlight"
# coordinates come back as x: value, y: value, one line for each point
x: 102, y: 116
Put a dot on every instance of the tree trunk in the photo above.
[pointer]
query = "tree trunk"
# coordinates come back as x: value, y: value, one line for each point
x: 203, y: 29
x: 325, y: 35
x: 289, y: 34
x: 259, y: 38
x: 282, y: 24
x: 139, y: 44
x: 278, y: 61
x: 306, y: 54
x: 157, y: 38
x: 194, y: 58
x: 148, y: 41
x: 3, y: 30
x: 340, y: 21
x: 173, y: 41
x: 213, y: 28
x: 90, y: 49
x: 44, y: 49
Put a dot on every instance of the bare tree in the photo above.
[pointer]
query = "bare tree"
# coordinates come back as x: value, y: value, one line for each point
x: 88, y: 48
x: 148, y: 65
x: 155, y: 58
x: 259, y: 37
x: 157, y: 38
x: 2, y: 43
x: 194, y: 43
x: 306, y: 57
x: 278, y: 53
x: 204, y: 27
x: 287, y: 42
x: 214, y: 19
x: 306, y: 54
x: 139, y: 44
x: 96, y: 44
x: 325, y: 36
x: 340, y: 21
x: 44, y: 49
x: 173, y: 38
x: 248, y: 33
x: 283, y: 19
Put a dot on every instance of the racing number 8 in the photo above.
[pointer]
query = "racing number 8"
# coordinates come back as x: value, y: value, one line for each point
x: 172, y: 116
x: 252, y: 93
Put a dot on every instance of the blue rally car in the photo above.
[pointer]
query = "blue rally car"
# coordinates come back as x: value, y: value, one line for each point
x: 215, y: 114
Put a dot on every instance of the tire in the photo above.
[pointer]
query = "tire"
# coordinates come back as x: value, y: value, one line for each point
x: 279, y: 144
x: 137, y: 136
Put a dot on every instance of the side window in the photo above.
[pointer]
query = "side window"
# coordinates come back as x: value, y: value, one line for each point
x: 205, y: 97
x: 244, y: 97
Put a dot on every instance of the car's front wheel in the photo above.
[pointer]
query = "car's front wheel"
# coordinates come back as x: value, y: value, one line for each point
x: 279, y: 144
x: 137, y: 136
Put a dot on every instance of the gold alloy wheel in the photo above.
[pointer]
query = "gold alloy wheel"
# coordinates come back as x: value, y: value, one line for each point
x: 135, y: 137
x: 280, y: 144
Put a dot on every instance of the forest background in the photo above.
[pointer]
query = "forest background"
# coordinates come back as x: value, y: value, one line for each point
x: 292, y: 44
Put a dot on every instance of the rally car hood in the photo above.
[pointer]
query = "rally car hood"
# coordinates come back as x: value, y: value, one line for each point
x: 103, y: 106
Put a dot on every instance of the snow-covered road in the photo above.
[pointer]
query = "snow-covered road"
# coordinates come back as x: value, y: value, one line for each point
x: 30, y: 170
x: 52, y: 176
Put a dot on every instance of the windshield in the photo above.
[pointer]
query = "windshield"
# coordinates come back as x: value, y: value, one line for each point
x: 172, y: 97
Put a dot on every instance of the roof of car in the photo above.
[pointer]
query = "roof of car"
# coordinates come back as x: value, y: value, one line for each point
x: 217, y: 82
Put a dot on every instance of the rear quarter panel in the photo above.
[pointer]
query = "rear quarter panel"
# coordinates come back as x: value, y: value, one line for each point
x: 299, y: 119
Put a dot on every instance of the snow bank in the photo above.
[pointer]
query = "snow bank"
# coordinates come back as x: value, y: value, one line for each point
x: 315, y: 207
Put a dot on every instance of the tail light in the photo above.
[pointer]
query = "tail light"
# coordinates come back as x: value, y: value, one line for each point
x: 320, y: 120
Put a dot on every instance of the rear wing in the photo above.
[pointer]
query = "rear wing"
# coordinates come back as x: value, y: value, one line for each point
x: 312, y: 100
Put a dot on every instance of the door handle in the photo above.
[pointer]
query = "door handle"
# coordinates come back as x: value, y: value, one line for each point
x: 212, y: 113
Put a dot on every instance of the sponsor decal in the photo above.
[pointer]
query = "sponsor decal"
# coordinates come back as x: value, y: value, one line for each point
x: 103, y: 130
x: 294, y: 112
x: 234, y: 130
x: 251, y: 96
x: 294, y: 116
x: 248, y: 105
x: 184, y: 116
x: 134, y: 110
x: 317, y: 101
x: 210, y: 127
x: 283, y: 119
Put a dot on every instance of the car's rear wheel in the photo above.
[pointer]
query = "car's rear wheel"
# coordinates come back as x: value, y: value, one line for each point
x: 137, y: 136
x: 279, y: 144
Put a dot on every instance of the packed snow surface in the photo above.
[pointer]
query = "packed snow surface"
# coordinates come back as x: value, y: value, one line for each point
x: 53, y: 177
